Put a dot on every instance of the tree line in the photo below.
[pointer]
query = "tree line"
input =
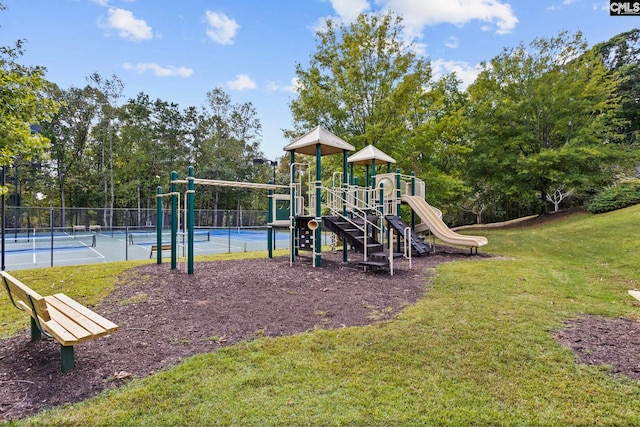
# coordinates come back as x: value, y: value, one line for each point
x: 545, y: 124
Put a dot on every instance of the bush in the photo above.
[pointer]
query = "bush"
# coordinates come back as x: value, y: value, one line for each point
x: 622, y: 195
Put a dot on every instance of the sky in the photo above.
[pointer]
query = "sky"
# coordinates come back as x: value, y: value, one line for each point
x: 177, y: 51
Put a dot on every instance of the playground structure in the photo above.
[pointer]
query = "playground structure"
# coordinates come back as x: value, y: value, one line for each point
x: 364, y: 219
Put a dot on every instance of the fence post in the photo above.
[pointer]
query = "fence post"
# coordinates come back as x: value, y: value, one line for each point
x: 159, y: 225
x: 126, y: 235
x: 174, y: 220
x: 51, y: 217
x: 190, y: 206
x: 270, y: 240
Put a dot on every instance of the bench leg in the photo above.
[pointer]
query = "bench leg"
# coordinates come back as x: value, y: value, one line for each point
x: 36, y: 334
x: 66, y: 357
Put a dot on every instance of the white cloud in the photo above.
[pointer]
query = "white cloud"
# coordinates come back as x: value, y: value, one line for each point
x: 128, y: 26
x: 221, y: 29
x: 169, y: 71
x: 564, y: 3
x: 348, y: 10
x: 242, y: 82
x: 465, y: 72
x: 293, y: 86
x: 420, y: 13
x: 452, y: 42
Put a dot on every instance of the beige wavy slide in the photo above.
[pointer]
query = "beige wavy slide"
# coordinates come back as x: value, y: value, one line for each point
x: 438, y: 227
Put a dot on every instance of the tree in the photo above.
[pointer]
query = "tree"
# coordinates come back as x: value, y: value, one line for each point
x: 620, y: 55
x: 361, y: 83
x: 70, y: 134
x: 23, y: 91
x: 366, y: 84
x: 224, y: 139
x: 557, y: 195
x: 543, y: 115
x: 110, y: 91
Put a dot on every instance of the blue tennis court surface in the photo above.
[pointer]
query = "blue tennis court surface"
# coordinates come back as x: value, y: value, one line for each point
x: 25, y: 251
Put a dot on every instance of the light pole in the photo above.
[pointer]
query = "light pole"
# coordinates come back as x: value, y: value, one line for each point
x: 262, y: 161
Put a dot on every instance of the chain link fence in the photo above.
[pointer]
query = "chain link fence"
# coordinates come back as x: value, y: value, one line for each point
x: 22, y: 218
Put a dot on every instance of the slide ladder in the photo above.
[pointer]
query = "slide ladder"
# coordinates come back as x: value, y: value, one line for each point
x: 417, y: 243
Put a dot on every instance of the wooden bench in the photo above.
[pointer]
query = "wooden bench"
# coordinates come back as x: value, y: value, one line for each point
x: 95, y: 228
x: 164, y: 247
x: 77, y: 228
x: 57, y: 316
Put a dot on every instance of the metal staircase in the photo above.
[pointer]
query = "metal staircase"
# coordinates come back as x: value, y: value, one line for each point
x: 352, y: 233
x: 418, y: 245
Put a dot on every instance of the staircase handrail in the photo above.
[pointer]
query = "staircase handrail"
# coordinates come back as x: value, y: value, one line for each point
x: 407, y: 244
x: 334, y: 194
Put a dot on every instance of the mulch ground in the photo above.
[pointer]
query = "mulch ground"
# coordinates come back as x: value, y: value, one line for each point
x: 166, y: 316
x: 608, y: 341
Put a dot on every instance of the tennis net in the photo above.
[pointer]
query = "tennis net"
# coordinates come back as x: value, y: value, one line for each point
x: 43, y: 242
x: 143, y: 238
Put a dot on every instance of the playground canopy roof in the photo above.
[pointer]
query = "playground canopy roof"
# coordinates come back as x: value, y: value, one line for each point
x: 368, y: 154
x: 329, y: 143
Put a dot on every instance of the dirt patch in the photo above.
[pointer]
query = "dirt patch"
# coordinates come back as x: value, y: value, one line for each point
x: 166, y: 316
x: 600, y: 340
x: 544, y: 219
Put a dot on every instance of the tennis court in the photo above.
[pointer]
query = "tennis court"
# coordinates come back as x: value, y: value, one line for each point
x: 44, y: 249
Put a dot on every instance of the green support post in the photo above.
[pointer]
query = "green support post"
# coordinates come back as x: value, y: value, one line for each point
x: 373, y: 181
x: 345, y: 191
x: 366, y: 184
x: 381, y: 211
x: 351, y: 177
x: 190, y: 220
x: 270, y: 221
x: 174, y: 220
x: 293, y: 249
x: 36, y: 333
x: 66, y: 358
x: 317, y: 234
x: 374, y: 172
x: 159, y: 225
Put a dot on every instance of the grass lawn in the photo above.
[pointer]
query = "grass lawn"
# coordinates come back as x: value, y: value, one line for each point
x: 476, y: 350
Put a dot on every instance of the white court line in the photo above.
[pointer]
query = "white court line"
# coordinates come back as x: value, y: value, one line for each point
x: 36, y: 260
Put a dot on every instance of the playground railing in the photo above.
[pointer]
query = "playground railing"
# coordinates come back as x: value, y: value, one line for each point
x: 405, y: 183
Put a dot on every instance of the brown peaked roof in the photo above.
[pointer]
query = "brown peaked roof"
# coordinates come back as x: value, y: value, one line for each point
x: 329, y: 143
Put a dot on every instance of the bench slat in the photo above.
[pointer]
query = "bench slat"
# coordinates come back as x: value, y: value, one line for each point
x: 58, y: 332
x: 80, y: 327
x: 78, y: 333
x: 108, y: 325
